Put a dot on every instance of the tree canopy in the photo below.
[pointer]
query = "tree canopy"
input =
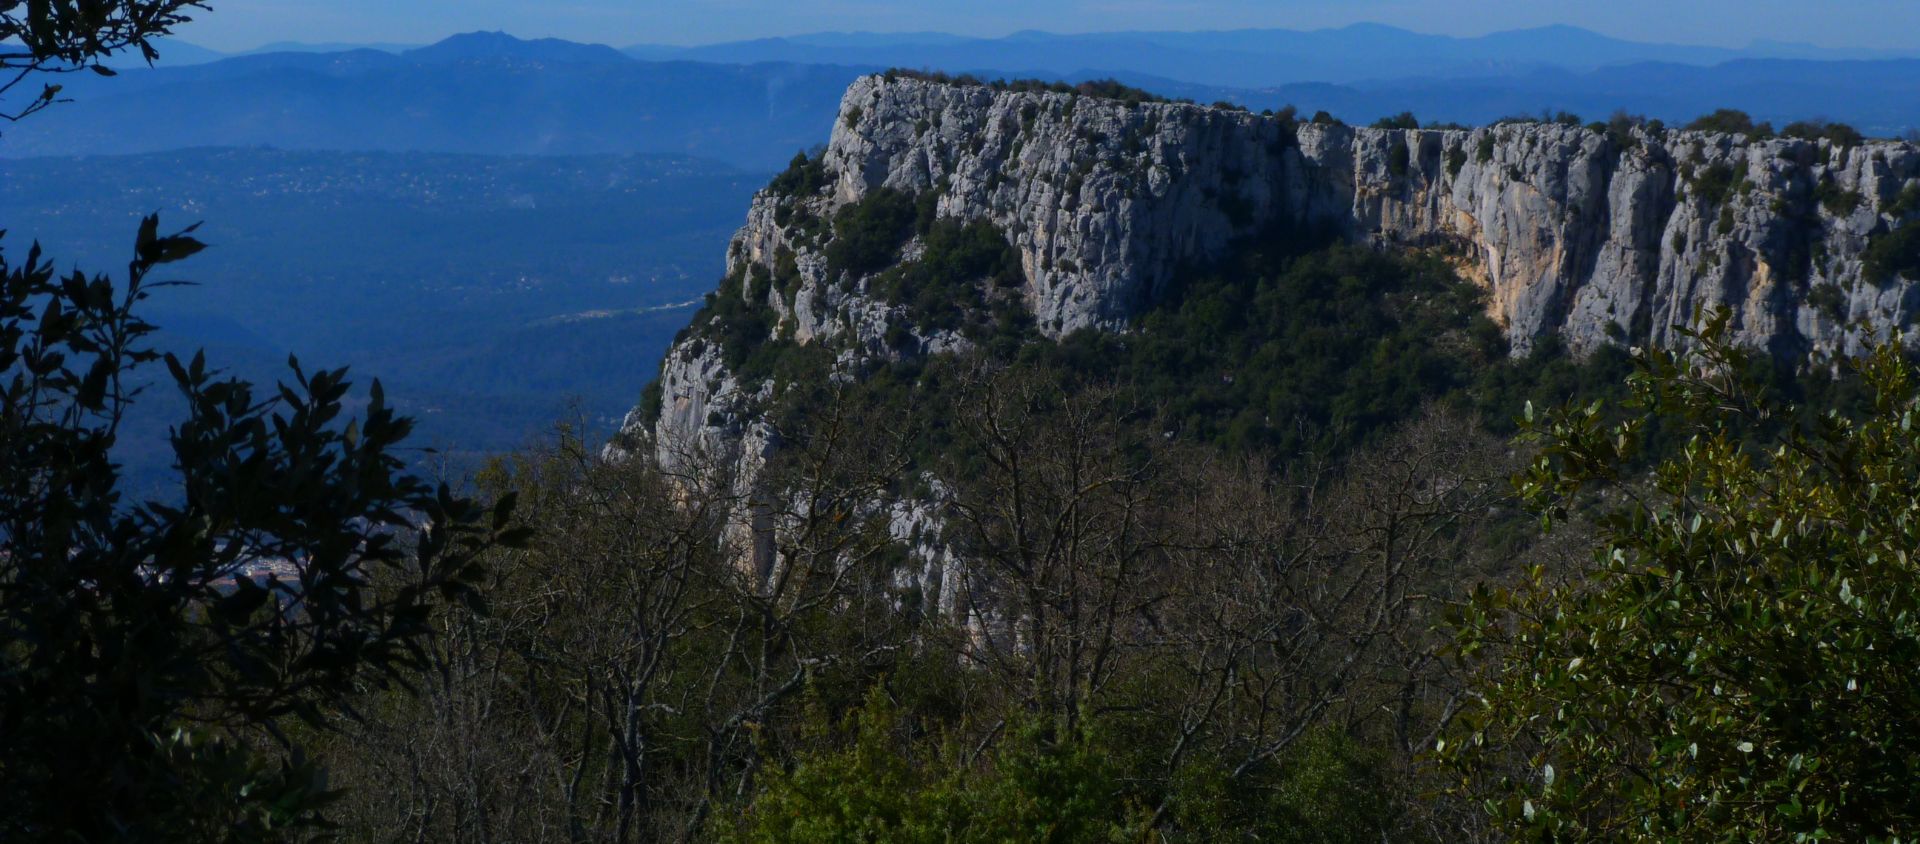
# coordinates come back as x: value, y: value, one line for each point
x: 1735, y: 665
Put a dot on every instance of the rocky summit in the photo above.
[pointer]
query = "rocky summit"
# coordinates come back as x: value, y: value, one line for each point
x: 1597, y: 237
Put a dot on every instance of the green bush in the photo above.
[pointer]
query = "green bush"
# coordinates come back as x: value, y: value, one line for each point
x: 1403, y: 120
x: 867, y: 235
x: 892, y: 779
x: 1839, y: 134
x: 889, y: 785
x: 1894, y: 254
x: 1838, y: 201
x: 1619, y: 129
x: 1715, y: 183
x: 1328, y: 790
x: 1734, y: 665
x: 804, y: 176
x: 1906, y: 203
x: 1829, y: 299
x: 1731, y: 121
x: 948, y: 286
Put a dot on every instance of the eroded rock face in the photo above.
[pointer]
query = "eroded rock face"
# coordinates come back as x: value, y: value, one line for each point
x: 1573, y: 233
x: 1569, y: 229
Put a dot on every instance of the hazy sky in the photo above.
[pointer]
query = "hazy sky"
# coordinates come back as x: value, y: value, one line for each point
x: 242, y: 24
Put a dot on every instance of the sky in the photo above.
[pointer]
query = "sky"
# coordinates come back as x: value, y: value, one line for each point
x: 244, y: 24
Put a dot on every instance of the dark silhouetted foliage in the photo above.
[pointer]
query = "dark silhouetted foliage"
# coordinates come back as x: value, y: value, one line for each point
x: 1838, y: 201
x: 948, y: 286
x: 65, y: 36
x: 1730, y: 121
x: 867, y: 235
x: 1839, y: 134
x: 1893, y: 254
x: 1716, y: 183
x: 148, y: 667
x: 804, y: 176
x: 1403, y: 120
x: 1399, y: 159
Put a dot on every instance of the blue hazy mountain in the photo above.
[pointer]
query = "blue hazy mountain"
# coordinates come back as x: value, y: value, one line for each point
x: 173, y: 53
x: 1880, y: 97
x: 480, y: 93
x: 328, y: 47
x: 1246, y: 58
x: 493, y: 46
x: 491, y: 93
x: 177, y: 53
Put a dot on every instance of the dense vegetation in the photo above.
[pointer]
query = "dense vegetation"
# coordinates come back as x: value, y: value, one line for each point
x: 640, y: 684
x: 1304, y: 353
x: 941, y: 290
x: 1289, y: 347
x: 1730, y: 667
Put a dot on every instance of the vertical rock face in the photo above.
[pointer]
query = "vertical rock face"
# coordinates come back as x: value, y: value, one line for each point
x: 1574, y: 233
x: 1571, y: 230
x: 1102, y: 200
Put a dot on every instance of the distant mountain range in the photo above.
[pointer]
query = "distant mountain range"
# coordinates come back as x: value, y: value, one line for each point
x: 1232, y: 58
x: 177, y: 53
x: 1247, y: 58
x: 752, y: 104
x: 481, y: 93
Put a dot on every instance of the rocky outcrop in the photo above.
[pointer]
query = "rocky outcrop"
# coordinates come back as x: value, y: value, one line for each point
x: 1592, y: 237
x: 1571, y: 230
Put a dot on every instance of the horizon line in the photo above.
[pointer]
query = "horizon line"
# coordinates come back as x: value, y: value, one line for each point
x: 1753, y: 44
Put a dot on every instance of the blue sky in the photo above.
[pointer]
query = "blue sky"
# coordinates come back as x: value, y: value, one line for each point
x: 242, y: 24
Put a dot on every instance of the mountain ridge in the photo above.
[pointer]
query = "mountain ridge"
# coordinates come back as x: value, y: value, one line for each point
x: 1589, y: 238
x: 1249, y: 58
x: 494, y: 94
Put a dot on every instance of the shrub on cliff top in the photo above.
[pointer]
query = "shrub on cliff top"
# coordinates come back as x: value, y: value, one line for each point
x: 1106, y: 89
x: 1731, y: 121
x: 1839, y: 134
x: 805, y: 175
x: 1403, y: 120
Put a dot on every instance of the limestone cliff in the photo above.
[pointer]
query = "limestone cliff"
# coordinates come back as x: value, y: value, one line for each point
x: 1594, y: 237
x: 1569, y: 228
